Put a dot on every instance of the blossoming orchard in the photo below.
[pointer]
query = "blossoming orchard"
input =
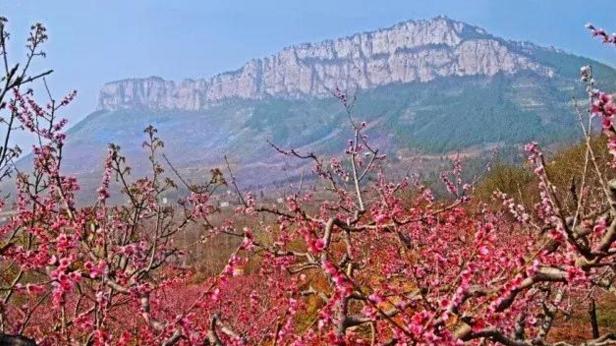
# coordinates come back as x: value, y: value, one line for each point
x: 354, y: 261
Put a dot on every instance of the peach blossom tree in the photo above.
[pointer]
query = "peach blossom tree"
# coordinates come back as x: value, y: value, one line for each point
x: 351, y: 261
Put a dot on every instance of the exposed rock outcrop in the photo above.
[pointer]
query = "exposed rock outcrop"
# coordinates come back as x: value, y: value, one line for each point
x: 407, y: 52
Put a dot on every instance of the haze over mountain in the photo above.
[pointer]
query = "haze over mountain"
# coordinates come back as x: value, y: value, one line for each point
x: 428, y: 87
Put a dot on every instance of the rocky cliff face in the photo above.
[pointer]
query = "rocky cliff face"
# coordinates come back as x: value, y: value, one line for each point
x: 407, y: 52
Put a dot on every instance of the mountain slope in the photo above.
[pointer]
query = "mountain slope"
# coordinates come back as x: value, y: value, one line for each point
x: 423, y: 86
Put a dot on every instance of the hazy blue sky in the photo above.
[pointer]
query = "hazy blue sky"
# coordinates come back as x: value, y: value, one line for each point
x: 93, y: 42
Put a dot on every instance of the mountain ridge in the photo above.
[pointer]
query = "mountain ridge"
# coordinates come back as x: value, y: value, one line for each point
x: 405, y: 52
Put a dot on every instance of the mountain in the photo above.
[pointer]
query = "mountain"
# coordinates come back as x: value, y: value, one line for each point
x: 425, y: 88
x: 407, y: 52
